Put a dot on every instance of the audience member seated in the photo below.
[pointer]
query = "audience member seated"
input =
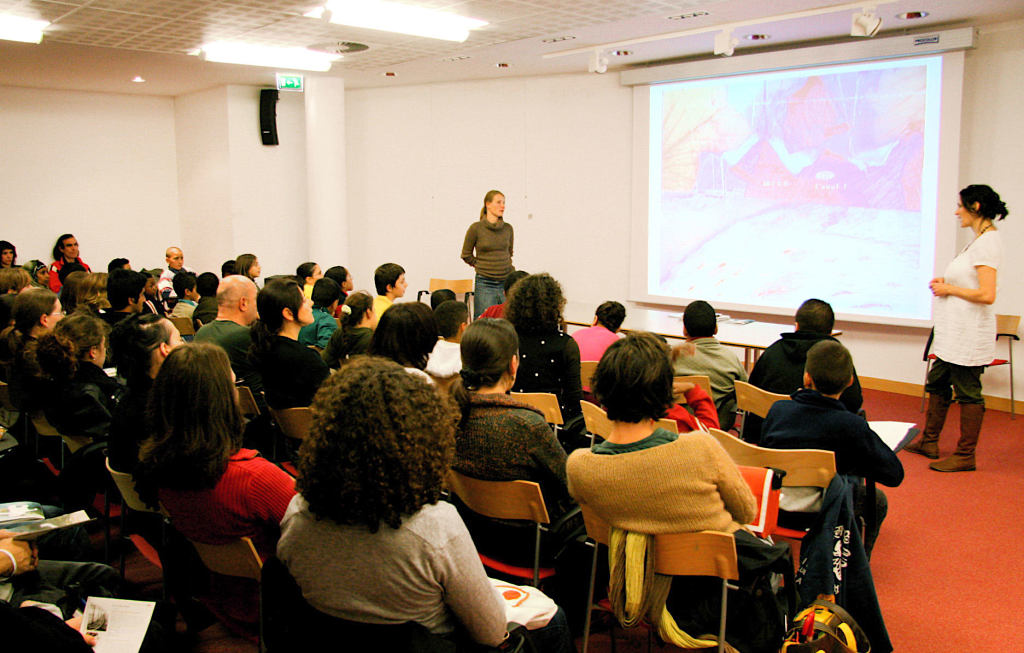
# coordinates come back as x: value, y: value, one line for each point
x: 124, y: 294
x: 498, y: 310
x: 12, y: 282
x: 389, y: 280
x: 367, y: 538
x: 500, y: 438
x: 452, y: 318
x: 184, y: 285
x: 644, y: 479
x: 406, y: 334
x: 214, y: 491
x: 440, y: 296
x: 236, y: 311
x: 816, y: 419
x: 65, y: 252
x: 152, y: 303
x: 118, y: 264
x: 353, y: 338
x: 83, y: 396
x: 141, y: 343
x: 39, y: 272
x: 291, y: 373
x: 325, y: 298
x: 309, y: 272
x: 227, y: 268
x: 601, y: 333
x: 339, y: 275
x: 248, y: 265
x: 72, y: 276
x: 35, y: 312
x: 549, y: 359
x: 703, y: 355
x: 206, y: 309
x: 175, y: 260
x: 91, y: 294
x: 8, y: 255
x: 780, y: 368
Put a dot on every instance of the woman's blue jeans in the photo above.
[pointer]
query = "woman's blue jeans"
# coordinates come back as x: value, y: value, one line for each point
x: 486, y: 293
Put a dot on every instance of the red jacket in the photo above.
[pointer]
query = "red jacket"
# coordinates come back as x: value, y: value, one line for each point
x: 703, y: 408
x: 55, y: 267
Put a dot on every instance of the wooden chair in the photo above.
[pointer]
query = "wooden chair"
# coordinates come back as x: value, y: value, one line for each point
x: 598, y: 423
x: 294, y: 422
x: 247, y: 402
x: 545, y: 402
x: 587, y: 369
x: 766, y: 487
x: 804, y: 468
x: 697, y: 379
x: 1006, y: 327
x: 130, y: 500
x: 45, y: 429
x: 751, y: 399
x: 457, y: 286
x: 238, y: 558
x: 185, y: 325
x: 518, y: 500
x: 707, y: 553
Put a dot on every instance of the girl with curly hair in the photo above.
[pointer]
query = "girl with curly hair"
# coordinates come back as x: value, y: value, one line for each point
x: 549, y: 357
x: 367, y: 538
x: 83, y: 397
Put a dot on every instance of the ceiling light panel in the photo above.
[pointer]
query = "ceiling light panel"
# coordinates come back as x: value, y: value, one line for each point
x: 390, y: 16
x: 255, y: 55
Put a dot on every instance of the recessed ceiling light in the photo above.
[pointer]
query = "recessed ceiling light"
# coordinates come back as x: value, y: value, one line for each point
x: 621, y: 53
x: 757, y: 37
x: 390, y: 74
x: 912, y: 15
x: 692, y: 14
x: 138, y: 79
x: 558, y: 39
x: 502, y: 64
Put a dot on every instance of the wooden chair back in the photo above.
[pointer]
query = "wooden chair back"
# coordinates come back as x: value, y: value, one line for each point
x: 754, y: 400
x: 587, y: 372
x: 457, y: 286
x: 247, y: 402
x: 596, y: 419
x: 545, y: 402
x: 669, y: 425
x: 126, y: 486
x: 500, y: 499
x: 803, y: 467
x: 5, y: 397
x: 1007, y: 325
x: 597, y: 528
x: 707, y: 553
x: 185, y: 325
x: 697, y: 379
x: 294, y: 422
x: 44, y: 428
x: 238, y: 558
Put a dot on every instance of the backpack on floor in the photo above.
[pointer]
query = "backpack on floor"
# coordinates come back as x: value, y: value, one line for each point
x: 824, y: 627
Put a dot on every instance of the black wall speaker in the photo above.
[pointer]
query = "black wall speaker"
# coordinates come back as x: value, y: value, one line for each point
x: 268, y: 116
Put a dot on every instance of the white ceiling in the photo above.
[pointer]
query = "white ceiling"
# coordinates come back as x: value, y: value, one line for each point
x: 100, y: 45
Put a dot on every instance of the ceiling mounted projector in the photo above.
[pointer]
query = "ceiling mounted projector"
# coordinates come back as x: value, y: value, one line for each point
x: 866, y: 23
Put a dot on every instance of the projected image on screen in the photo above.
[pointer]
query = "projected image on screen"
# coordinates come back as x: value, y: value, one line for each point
x: 768, y: 189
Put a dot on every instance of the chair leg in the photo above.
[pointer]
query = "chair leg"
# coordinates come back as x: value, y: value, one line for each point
x: 590, y: 601
x: 721, y: 617
x: 1013, y: 400
x: 536, y: 557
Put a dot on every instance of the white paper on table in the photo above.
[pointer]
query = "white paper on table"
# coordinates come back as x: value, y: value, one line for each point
x: 118, y: 625
x: 892, y: 433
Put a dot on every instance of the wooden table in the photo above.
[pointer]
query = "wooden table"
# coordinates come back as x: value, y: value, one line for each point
x: 752, y: 337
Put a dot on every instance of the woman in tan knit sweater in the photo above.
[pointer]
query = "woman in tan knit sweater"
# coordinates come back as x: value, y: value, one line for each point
x: 644, y: 478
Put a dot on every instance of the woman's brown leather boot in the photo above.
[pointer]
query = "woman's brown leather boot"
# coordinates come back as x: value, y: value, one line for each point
x: 928, y: 444
x: 970, y: 430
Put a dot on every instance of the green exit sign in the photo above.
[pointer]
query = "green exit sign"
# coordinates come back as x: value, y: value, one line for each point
x: 289, y: 82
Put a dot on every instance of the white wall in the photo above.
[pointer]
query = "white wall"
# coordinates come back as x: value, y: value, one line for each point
x: 420, y: 159
x: 100, y: 166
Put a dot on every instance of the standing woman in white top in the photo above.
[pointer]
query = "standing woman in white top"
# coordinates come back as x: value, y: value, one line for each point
x: 965, y: 330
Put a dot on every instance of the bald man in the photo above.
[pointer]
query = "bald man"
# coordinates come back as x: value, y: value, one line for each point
x: 236, y: 310
x: 175, y: 259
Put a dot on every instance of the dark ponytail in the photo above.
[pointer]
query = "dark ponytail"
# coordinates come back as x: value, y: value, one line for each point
x: 355, y: 307
x: 487, y: 347
x: 276, y: 296
x: 133, y: 341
